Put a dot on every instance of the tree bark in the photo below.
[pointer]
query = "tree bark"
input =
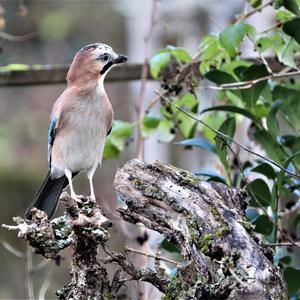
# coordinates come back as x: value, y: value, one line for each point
x: 206, y: 220
x: 222, y: 257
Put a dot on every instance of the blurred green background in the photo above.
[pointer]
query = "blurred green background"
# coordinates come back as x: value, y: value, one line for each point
x: 62, y: 28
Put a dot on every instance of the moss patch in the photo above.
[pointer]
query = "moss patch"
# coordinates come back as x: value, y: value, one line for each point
x: 188, y: 178
x: 174, y: 289
x: 149, y: 190
x: 221, y: 231
x: 216, y: 214
x: 205, y: 243
x: 195, y: 234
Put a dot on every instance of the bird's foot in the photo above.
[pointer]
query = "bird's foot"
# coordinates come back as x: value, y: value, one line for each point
x: 77, y: 198
x: 93, y: 198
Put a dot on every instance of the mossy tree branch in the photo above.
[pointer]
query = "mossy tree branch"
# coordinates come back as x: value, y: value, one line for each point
x: 206, y: 221
x: 84, y: 228
x: 222, y: 257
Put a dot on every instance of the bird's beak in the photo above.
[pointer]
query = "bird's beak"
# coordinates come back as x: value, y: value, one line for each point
x: 120, y: 59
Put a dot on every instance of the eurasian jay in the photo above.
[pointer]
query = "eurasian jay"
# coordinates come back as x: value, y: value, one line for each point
x: 81, y: 119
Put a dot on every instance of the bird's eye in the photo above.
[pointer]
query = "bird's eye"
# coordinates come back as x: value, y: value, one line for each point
x: 105, y: 57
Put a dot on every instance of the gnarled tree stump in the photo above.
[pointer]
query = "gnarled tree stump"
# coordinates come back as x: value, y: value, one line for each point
x: 222, y: 259
x: 206, y: 220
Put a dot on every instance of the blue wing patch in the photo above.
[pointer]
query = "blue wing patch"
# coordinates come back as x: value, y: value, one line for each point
x: 51, y: 131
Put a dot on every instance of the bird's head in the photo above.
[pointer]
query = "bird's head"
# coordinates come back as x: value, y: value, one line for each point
x: 92, y: 62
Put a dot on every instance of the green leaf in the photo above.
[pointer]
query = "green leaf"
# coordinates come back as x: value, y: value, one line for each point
x: 263, y: 225
x: 291, y: 276
x: 272, y: 122
x: 228, y: 128
x: 15, y: 67
x: 166, y: 130
x: 265, y: 169
x: 188, y: 100
x: 269, y: 144
x: 219, y: 77
x: 284, y: 47
x: 291, y: 104
x: 121, y: 129
x: 199, y: 143
x: 290, y: 5
x: 255, y: 3
x: 158, y: 62
x: 215, y: 120
x: 206, y: 173
x: 251, y: 95
x: 149, y: 125
x: 151, y: 121
x: 283, y: 16
x: 212, y: 53
x: 233, y: 35
x: 233, y: 109
x: 180, y: 54
x: 264, y: 44
x: 280, y: 177
x: 170, y: 247
x: 110, y: 150
x: 291, y: 28
x: 212, y: 176
x: 186, y: 125
x: 115, y: 142
x: 260, y: 110
x: 285, y: 260
x: 217, y: 179
x: 259, y: 192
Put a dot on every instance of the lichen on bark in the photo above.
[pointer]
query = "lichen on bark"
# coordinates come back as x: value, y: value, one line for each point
x: 222, y: 258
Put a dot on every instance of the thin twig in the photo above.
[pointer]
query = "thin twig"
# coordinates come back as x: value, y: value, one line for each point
x: 249, y: 83
x: 275, y: 215
x: 254, y: 11
x: 43, y: 263
x: 225, y: 136
x: 45, y: 285
x: 274, y: 26
x: 145, y: 68
x: 261, y: 56
x: 151, y: 255
x: 12, y: 249
x: 10, y: 227
x: 17, y: 38
x: 29, y: 267
x: 152, y: 102
x: 287, y: 244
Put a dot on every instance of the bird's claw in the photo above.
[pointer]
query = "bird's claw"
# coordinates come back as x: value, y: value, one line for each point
x: 77, y: 198
x: 92, y: 198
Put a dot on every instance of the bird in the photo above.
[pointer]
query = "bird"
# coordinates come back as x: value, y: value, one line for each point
x: 81, y: 119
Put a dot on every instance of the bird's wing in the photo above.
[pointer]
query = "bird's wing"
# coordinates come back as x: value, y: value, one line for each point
x: 51, y: 136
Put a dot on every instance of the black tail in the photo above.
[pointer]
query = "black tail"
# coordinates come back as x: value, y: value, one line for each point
x: 48, y: 195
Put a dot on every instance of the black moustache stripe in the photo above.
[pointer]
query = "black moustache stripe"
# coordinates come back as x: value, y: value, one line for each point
x: 106, y: 67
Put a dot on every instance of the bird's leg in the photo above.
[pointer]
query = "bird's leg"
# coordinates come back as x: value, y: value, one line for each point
x: 73, y: 194
x: 90, y: 175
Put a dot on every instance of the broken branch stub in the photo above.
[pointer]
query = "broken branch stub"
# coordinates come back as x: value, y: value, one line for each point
x: 84, y: 228
x: 206, y: 220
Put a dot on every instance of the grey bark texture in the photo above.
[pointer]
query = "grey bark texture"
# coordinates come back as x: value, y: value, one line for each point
x: 222, y: 257
x: 206, y: 220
